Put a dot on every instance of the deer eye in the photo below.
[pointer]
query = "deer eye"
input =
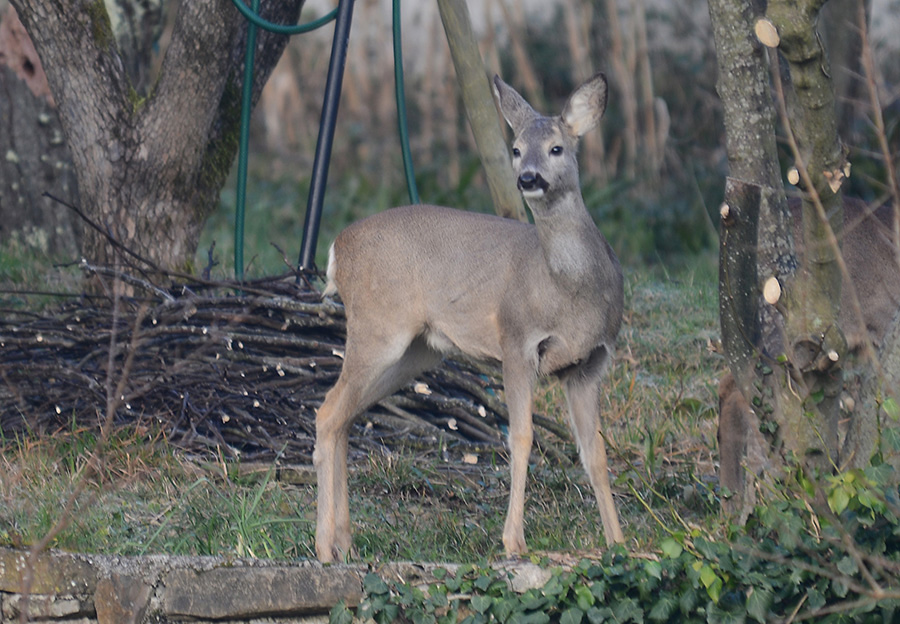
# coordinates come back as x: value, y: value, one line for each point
x: 516, y: 152
x: 556, y: 150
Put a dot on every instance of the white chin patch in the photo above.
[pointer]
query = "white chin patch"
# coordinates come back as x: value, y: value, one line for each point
x: 534, y: 193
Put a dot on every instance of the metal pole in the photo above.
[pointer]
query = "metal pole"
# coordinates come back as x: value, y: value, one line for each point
x: 244, y: 141
x: 400, y: 94
x: 326, y: 135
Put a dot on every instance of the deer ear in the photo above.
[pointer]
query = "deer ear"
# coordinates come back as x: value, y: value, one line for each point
x: 513, y: 106
x: 586, y: 106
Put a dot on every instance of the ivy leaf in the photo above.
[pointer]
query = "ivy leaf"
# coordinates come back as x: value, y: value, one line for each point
x: 707, y: 575
x: 711, y: 582
x: 340, y: 614
x: 759, y: 601
x: 538, y: 617
x: 706, y: 548
x: 481, y: 603
x: 389, y: 614
x: 553, y: 587
x: 838, y: 499
x: 627, y: 610
x: 891, y: 408
x: 483, y: 582
x: 532, y: 600
x: 839, y: 588
x: 715, y: 590
x: 654, y: 569
x: 847, y: 565
x: 891, y: 436
x: 599, y: 615
x: 815, y: 599
x: 374, y: 584
x: 671, y: 548
x: 663, y: 609
x: 584, y: 597
x: 422, y: 617
x: 503, y: 609
x: 718, y: 615
x: 572, y: 616
x: 598, y: 590
x: 454, y: 582
x: 687, y: 601
x: 869, y: 500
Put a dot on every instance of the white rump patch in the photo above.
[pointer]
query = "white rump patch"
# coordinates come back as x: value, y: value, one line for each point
x: 330, y: 285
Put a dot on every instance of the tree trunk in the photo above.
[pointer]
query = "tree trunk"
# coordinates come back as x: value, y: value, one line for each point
x: 34, y: 158
x: 150, y: 169
x: 815, y: 344
x: 755, y: 238
x: 481, y: 109
x: 786, y: 354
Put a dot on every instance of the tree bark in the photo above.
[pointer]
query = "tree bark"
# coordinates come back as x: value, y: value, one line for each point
x: 816, y: 346
x: 755, y: 238
x: 34, y: 158
x: 786, y: 355
x: 150, y: 169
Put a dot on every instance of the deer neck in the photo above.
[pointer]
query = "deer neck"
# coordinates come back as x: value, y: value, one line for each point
x: 571, y: 244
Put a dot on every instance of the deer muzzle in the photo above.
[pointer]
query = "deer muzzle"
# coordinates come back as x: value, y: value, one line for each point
x: 531, y: 183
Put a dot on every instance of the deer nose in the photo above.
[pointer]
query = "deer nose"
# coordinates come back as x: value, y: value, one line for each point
x: 530, y: 181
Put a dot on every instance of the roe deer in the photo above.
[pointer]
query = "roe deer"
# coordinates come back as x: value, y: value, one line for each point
x: 542, y: 299
x: 868, y: 252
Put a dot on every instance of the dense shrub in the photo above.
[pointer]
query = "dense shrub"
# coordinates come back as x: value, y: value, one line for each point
x: 828, y: 551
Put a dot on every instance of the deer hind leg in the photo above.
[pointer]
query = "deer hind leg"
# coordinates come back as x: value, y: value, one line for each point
x: 583, y: 394
x: 367, y: 376
x: 518, y: 385
x: 332, y: 428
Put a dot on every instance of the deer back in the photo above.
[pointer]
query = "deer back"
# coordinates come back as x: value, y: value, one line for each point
x: 468, y: 281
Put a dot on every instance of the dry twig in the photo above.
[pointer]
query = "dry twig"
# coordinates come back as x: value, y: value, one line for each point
x: 224, y: 373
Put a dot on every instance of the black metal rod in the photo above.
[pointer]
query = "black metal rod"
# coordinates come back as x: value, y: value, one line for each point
x: 326, y: 136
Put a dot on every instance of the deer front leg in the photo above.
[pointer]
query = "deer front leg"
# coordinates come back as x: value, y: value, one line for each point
x: 583, y: 395
x: 518, y: 387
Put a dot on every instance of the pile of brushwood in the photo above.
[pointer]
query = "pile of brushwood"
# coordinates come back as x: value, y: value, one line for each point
x: 235, y: 369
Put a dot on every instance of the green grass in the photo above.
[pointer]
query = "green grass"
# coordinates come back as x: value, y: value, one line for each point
x: 659, y: 413
x: 143, y: 498
x: 28, y: 275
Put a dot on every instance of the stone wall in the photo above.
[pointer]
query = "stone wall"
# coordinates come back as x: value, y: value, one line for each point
x: 64, y: 588
x: 89, y: 589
